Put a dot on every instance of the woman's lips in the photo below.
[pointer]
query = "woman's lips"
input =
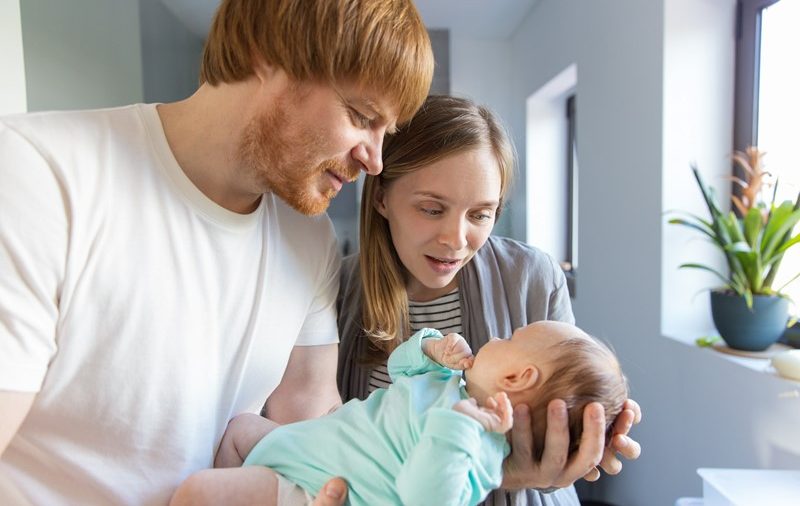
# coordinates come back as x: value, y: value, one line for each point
x: 443, y: 265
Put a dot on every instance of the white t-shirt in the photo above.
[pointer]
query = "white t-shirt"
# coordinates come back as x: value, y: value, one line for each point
x: 143, y: 314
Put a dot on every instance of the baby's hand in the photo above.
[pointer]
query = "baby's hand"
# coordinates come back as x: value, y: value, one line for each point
x: 451, y: 351
x: 496, y: 416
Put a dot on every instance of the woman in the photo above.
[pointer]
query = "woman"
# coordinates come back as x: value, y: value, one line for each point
x: 427, y: 260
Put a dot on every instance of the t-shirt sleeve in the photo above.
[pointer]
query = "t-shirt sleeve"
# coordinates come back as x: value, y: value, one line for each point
x: 319, y: 326
x: 33, y: 249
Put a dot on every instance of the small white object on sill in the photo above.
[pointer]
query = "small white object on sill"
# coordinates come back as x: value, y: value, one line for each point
x: 787, y: 364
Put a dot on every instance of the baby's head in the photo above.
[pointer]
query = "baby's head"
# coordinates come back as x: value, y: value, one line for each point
x: 550, y: 360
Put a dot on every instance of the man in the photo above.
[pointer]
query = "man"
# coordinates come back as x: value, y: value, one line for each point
x: 163, y: 268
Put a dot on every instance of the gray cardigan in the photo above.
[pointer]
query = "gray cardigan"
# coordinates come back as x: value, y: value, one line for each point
x: 507, y: 285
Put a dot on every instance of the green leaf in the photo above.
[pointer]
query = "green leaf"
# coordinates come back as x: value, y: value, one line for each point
x: 748, y: 298
x: 704, y: 268
x: 734, y: 228
x: 788, y: 244
x: 739, y: 247
x: 781, y: 222
x: 707, y: 231
x: 752, y: 227
x: 695, y: 217
x: 706, y: 341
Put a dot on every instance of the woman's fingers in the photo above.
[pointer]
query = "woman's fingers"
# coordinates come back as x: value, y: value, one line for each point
x: 591, y: 447
x: 626, y: 446
x: 624, y: 421
x: 556, y: 444
x: 637, y: 410
x: 621, y: 443
x: 518, y: 469
x: 592, y: 475
x: 522, y: 436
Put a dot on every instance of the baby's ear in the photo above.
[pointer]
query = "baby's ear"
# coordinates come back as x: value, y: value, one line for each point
x: 521, y: 379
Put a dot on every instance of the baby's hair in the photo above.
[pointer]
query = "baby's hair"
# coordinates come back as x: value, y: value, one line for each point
x: 583, y: 371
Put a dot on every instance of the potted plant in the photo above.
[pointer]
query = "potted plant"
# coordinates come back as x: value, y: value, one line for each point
x: 747, y: 311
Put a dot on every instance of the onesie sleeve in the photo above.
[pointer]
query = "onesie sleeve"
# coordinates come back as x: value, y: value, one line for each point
x: 455, y: 462
x: 33, y: 250
x: 408, y: 359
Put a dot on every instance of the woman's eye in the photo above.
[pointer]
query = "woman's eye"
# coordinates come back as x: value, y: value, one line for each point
x: 431, y: 212
x: 482, y: 217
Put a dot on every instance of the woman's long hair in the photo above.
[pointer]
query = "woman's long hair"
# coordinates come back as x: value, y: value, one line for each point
x: 443, y: 127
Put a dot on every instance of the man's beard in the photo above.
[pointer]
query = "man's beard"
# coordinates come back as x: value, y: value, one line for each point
x: 283, y: 163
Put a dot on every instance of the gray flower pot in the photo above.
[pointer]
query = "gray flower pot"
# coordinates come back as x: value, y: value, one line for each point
x: 746, y: 329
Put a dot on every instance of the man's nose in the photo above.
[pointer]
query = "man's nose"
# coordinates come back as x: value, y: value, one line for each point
x: 369, y: 153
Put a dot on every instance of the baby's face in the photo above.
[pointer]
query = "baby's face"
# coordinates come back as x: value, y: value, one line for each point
x: 528, y: 345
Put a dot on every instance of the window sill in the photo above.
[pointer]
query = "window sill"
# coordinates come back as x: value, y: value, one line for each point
x: 759, y: 363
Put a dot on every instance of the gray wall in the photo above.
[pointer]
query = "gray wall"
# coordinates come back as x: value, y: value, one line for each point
x: 81, y: 54
x: 440, y: 41
x: 86, y: 54
x: 171, y: 54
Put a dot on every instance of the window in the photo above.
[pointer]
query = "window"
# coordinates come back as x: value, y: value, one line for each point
x: 552, y: 170
x: 768, y: 101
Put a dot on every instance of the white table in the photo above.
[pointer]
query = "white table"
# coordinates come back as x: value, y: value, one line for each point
x: 746, y: 487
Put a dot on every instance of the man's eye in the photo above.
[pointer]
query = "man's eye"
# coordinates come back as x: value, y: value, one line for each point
x: 359, y: 119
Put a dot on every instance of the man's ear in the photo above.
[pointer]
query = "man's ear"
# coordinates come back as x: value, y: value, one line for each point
x: 379, y: 202
x: 263, y: 70
x: 520, y: 379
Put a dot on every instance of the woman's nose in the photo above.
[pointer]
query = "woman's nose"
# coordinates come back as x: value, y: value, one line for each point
x: 454, y: 235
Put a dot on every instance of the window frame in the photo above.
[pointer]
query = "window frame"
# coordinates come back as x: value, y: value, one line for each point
x: 748, y: 49
x: 568, y: 266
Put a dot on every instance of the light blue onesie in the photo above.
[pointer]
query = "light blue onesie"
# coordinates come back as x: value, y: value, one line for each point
x: 402, y: 445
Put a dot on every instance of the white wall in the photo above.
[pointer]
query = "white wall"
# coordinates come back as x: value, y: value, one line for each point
x: 700, y: 409
x: 699, y: 62
x: 81, y: 54
x: 12, y: 69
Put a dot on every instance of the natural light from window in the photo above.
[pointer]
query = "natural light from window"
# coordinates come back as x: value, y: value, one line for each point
x: 779, y: 113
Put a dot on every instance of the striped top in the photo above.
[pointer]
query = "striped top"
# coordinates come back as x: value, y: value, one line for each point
x: 442, y: 314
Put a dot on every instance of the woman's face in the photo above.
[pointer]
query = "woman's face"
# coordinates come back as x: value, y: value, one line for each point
x: 439, y: 216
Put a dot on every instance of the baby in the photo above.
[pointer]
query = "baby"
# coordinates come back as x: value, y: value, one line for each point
x: 432, y: 437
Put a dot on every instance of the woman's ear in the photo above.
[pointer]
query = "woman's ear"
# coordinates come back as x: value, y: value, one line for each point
x: 380, y: 200
x: 520, y: 379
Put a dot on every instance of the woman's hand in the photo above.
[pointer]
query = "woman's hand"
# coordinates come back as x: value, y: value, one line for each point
x: 556, y: 470
x: 620, y: 443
